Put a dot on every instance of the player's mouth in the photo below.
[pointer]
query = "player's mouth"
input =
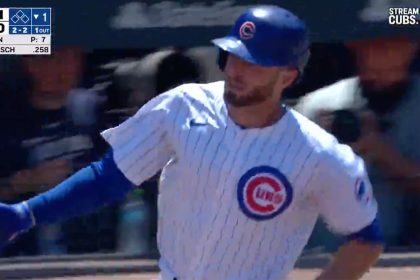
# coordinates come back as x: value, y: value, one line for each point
x: 235, y: 87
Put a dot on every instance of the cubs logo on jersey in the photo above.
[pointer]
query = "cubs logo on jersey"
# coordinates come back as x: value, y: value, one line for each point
x: 263, y: 193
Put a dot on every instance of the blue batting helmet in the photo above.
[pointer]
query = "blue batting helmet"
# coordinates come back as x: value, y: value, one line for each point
x: 269, y: 36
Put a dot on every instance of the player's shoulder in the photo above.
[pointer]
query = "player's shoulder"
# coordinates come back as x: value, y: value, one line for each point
x: 197, y: 92
x: 315, y: 136
x: 329, y: 150
x: 203, y: 99
x: 203, y: 92
x: 188, y: 94
x: 338, y: 95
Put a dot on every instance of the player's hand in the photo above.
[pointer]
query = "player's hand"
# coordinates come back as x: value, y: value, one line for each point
x: 14, y: 219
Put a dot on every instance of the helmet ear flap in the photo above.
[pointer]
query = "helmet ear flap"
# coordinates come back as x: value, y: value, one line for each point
x: 222, y: 59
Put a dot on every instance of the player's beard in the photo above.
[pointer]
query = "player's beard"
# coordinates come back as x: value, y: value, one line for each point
x: 255, y: 96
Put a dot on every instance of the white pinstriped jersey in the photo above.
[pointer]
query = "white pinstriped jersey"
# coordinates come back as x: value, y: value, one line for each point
x: 237, y: 203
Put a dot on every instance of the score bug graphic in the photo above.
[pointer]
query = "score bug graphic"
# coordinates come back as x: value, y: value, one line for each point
x: 25, y: 31
x: 263, y: 193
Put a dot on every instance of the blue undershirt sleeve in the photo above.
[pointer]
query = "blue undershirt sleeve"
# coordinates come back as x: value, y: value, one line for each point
x: 90, y: 188
x: 369, y: 234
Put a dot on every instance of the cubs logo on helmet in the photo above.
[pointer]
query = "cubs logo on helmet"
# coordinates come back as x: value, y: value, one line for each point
x: 263, y: 193
x: 247, y: 30
x: 279, y: 38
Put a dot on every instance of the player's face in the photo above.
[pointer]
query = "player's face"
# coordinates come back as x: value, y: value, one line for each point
x: 248, y: 84
x: 384, y: 62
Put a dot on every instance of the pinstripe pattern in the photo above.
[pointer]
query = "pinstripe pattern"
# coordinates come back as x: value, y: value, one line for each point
x: 203, y: 232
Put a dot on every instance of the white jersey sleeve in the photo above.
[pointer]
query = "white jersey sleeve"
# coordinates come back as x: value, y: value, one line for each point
x: 140, y: 144
x: 345, y: 198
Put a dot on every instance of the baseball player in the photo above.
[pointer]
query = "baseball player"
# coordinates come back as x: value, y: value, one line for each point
x: 244, y: 179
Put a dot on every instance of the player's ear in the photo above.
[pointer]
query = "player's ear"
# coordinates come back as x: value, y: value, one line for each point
x: 288, y: 76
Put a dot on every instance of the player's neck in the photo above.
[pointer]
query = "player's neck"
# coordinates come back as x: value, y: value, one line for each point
x: 257, y: 116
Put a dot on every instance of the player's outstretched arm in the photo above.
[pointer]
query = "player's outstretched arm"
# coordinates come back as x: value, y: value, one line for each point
x: 92, y: 187
x: 140, y: 148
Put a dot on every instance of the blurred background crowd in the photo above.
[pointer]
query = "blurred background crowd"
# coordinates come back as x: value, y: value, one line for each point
x: 53, y: 108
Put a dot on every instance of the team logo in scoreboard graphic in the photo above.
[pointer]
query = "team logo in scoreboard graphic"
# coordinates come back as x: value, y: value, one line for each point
x: 263, y: 193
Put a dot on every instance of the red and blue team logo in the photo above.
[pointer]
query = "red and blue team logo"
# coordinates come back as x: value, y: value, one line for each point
x: 247, y: 30
x: 263, y: 193
x: 361, y: 192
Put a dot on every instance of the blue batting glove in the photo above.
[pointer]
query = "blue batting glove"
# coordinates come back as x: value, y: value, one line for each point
x: 14, y: 219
